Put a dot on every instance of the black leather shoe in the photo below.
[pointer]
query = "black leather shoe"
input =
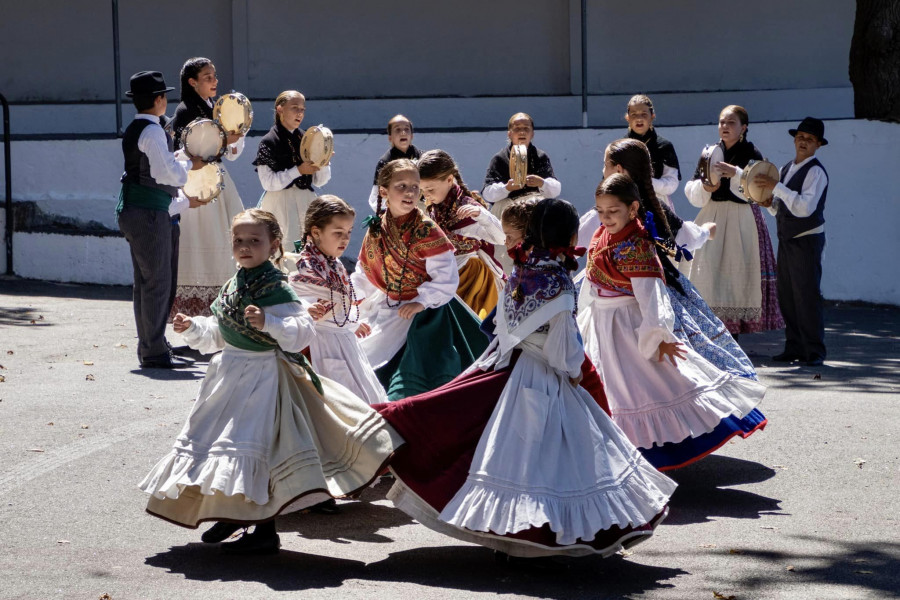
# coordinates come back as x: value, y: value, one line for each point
x: 219, y: 532
x: 254, y: 543
x: 165, y: 361
x: 786, y: 357
x: 329, y: 507
x: 815, y: 361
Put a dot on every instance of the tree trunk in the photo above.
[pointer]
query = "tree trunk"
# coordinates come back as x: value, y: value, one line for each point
x: 875, y: 60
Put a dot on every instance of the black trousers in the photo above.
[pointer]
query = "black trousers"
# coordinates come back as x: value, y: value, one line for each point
x: 149, y: 233
x: 800, y: 295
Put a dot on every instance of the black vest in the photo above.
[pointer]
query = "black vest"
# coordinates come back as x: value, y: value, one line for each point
x: 790, y: 225
x: 137, y: 165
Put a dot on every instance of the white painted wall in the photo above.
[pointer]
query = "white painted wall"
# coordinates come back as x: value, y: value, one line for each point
x: 80, y: 178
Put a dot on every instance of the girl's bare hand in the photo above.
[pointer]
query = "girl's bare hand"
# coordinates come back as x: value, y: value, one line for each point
x: 255, y: 316
x: 408, y: 311
x: 671, y: 351
x: 317, y: 310
x: 363, y: 330
x: 181, y: 323
x: 467, y: 211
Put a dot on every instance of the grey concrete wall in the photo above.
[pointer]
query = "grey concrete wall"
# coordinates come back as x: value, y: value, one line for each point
x: 467, y: 64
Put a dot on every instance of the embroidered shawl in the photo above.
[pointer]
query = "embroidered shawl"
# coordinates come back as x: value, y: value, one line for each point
x: 444, y: 214
x: 535, y: 291
x: 614, y: 259
x: 394, y: 261
x: 324, y: 276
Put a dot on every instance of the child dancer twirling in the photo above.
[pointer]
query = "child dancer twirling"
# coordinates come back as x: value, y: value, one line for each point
x: 514, y: 455
x: 471, y: 227
x: 673, y: 404
x: 266, y: 435
x: 322, y: 284
x: 422, y: 336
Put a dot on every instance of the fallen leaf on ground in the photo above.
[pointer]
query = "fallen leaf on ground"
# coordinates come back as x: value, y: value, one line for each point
x: 62, y: 541
x: 861, y: 572
x: 88, y: 363
x: 735, y: 551
x: 719, y: 596
x: 35, y: 449
x: 2, y: 367
x: 860, y: 560
x: 96, y: 346
x: 790, y: 568
x: 625, y: 552
x: 50, y: 423
x: 768, y: 527
x: 89, y: 377
x: 85, y: 426
x: 2, y: 378
x: 121, y: 346
x: 10, y: 352
x: 859, y: 462
x: 708, y: 546
x: 106, y: 597
x: 782, y: 467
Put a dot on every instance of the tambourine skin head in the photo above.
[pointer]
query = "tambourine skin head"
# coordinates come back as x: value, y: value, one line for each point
x: 518, y: 164
x: 317, y: 145
x: 748, y: 188
x: 204, y: 139
x: 206, y: 183
x: 233, y: 112
x: 708, y: 158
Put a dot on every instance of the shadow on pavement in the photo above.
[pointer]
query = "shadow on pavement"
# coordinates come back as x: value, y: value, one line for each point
x: 702, y: 491
x: 863, y: 353
x: 22, y: 316
x: 868, y: 566
x: 356, y: 522
x: 468, y: 568
x: 285, y: 571
x: 187, y: 373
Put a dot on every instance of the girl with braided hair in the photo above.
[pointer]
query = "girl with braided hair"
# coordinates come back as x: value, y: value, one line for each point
x: 695, y: 323
x: 422, y: 336
x: 471, y: 227
x: 324, y: 287
x: 515, y: 454
x: 266, y: 435
x: 672, y: 403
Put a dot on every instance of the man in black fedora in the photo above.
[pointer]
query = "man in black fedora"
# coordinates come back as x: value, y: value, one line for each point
x: 151, y: 180
x: 799, y: 208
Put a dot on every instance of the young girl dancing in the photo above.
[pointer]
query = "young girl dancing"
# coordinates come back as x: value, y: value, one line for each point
x: 696, y: 324
x: 322, y: 284
x: 266, y: 435
x: 287, y: 181
x: 422, y: 336
x: 204, y: 257
x: 673, y: 404
x: 472, y: 230
x: 515, y: 455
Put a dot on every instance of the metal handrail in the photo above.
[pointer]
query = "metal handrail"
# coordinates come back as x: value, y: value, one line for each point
x: 8, y: 166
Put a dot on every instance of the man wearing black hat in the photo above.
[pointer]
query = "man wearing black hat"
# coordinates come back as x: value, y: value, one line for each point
x: 151, y: 180
x: 799, y: 208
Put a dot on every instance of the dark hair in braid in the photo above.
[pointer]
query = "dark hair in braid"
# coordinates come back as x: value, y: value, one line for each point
x: 633, y: 156
x: 553, y: 223
x: 517, y: 213
x: 322, y: 210
x: 437, y: 164
x: 190, y: 70
x: 622, y: 187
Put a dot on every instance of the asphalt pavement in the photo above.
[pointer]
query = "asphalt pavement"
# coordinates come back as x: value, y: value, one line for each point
x: 807, y: 508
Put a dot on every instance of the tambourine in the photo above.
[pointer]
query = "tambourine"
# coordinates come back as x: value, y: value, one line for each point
x: 317, y: 145
x: 233, y: 113
x: 204, y: 139
x: 752, y: 191
x: 205, y: 183
x: 518, y: 164
x: 711, y: 155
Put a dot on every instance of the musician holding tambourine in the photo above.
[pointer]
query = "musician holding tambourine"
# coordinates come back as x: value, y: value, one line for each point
x: 291, y: 164
x: 204, y: 258
x: 518, y: 169
x: 735, y: 271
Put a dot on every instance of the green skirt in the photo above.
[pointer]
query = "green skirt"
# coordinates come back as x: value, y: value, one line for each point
x: 442, y: 342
